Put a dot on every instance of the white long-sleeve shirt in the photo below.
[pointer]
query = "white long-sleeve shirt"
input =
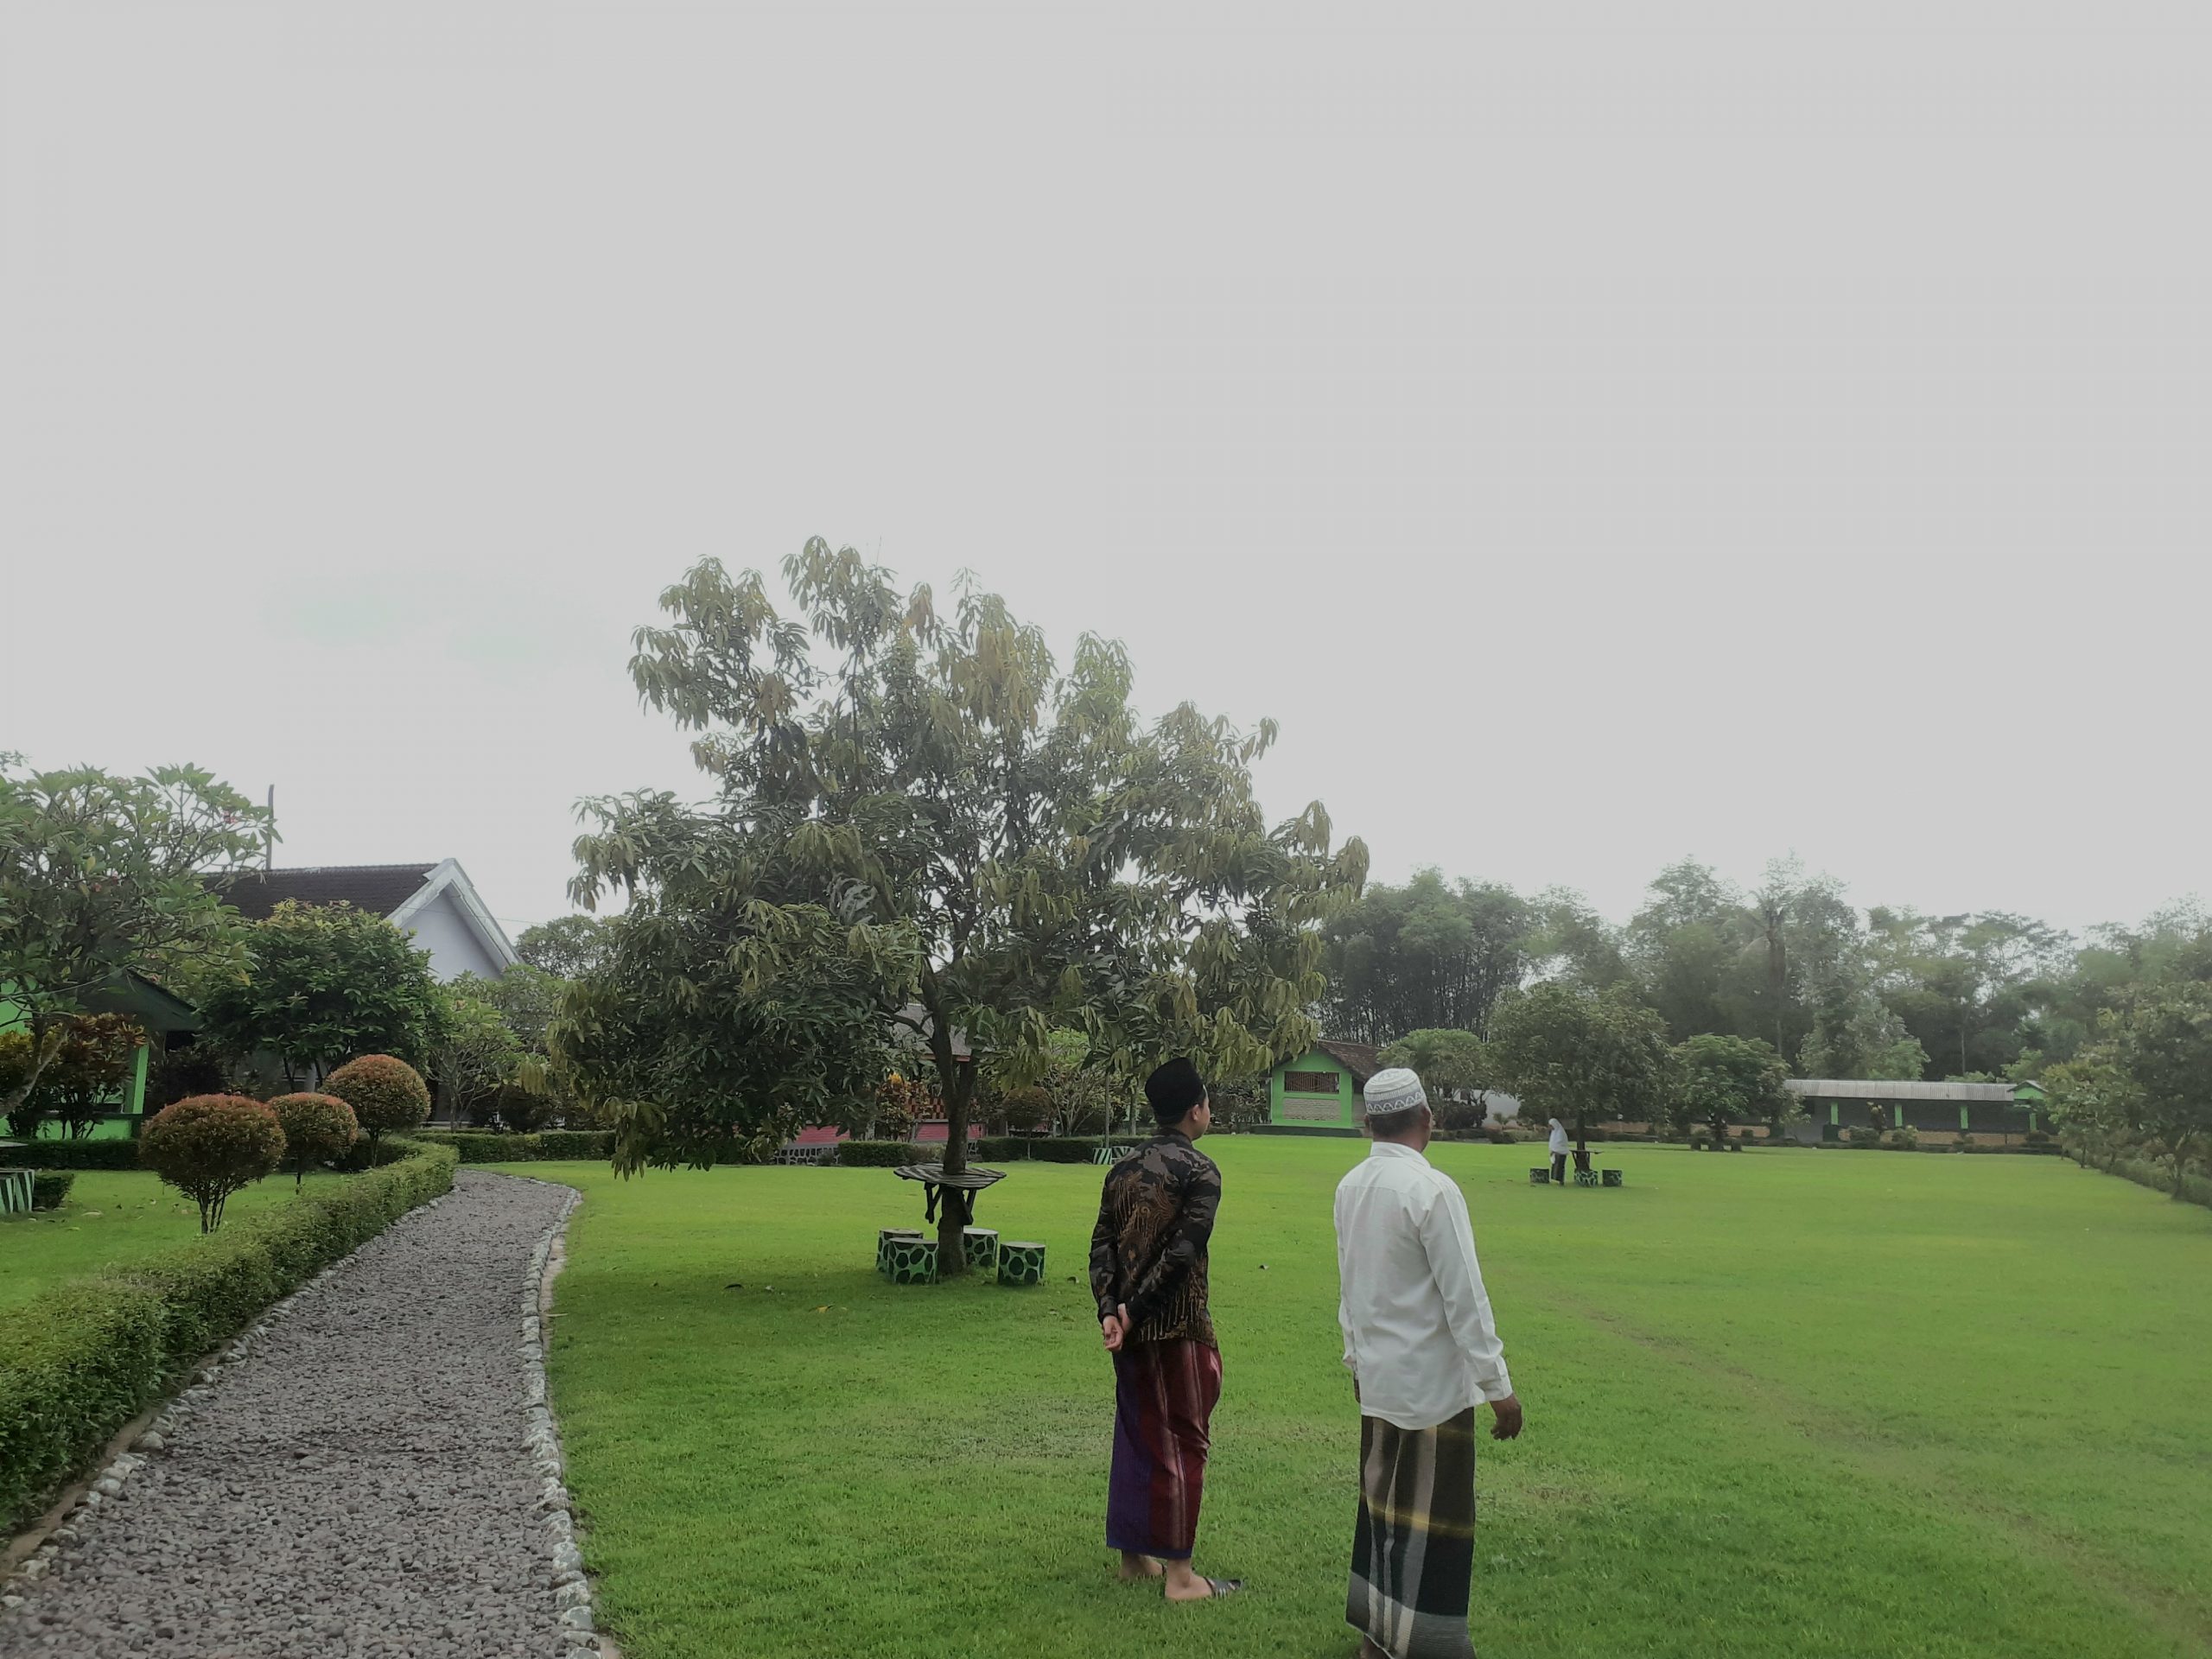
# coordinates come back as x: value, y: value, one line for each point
x: 1418, y: 1335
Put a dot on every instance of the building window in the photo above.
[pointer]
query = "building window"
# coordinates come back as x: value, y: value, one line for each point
x: 1309, y: 1082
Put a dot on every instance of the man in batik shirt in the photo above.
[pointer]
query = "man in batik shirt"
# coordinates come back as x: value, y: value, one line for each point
x: 1149, y: 1273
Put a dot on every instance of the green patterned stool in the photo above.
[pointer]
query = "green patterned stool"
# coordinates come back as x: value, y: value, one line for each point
x: 1612, y: 1178
x: 1021, y: 1262
x: 883, y: 1239
x: 1540, y: 1177
x: 913, y: 1260
x: 16, y: 1187
x: 982, y: 1247
x: 1586, y: 1178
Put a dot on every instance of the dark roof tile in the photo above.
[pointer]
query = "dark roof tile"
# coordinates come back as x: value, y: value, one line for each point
x: 377, y: 888
x: 1359, y: 1059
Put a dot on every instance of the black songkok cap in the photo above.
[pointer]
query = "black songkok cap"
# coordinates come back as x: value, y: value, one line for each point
x: 1174, y: 1090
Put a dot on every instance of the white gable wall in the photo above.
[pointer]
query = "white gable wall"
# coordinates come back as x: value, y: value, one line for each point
x: 455, y: 948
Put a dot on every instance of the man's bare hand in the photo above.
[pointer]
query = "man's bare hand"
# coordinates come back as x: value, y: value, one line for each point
x: 1507, y: 1411
x: 1114, y: 1327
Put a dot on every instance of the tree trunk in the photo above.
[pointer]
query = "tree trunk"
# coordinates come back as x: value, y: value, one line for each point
x: 957, y: 1084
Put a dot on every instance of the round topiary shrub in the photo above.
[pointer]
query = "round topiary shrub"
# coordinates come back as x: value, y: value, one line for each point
x: 209, y: 1146
x: 387, y: 1095
x: 317, y: 1130
x: 521, y: 1111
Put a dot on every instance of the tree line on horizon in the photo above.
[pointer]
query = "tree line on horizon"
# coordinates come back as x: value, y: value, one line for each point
x: 1838, y: 991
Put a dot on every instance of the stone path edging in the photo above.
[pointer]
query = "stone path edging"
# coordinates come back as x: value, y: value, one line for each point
x: 541, y: 1435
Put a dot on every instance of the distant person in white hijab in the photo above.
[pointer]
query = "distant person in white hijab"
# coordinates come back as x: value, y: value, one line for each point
x: 1559, y: 1149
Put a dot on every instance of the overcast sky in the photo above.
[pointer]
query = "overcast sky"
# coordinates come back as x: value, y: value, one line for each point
x: 1594, y: 444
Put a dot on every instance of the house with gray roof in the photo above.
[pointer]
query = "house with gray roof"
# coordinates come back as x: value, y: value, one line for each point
x: 436, y: 903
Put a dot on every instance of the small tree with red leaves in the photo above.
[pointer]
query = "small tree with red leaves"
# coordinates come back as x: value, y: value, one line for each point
x: 318, y: 1129
x: 209, y: 1146
x: 388, y: 1095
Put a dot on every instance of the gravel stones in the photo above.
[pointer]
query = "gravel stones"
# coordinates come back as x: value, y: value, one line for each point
x: 371, y: 1471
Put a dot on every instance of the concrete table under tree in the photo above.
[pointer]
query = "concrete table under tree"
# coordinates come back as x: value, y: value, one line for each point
x: 956, y: 1192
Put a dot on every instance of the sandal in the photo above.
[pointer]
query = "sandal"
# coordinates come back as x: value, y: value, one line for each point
x: 1218, y: 1588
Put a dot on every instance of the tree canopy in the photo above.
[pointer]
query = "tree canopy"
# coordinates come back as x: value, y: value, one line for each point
x: 1447, y: 1061
x: 568, y: 947
x: 322, y: 983
x: 102, y: 876
x: 1584, y: 1057
x: 1724, y: 1080
x: 2148, y: 1073
x: 924, y: 825
x: 1429, y: 956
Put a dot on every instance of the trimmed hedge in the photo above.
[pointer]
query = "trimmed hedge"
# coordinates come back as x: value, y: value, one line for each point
x: 492, y: 1146
x: 50, y: 1188
x: 884, y: 1154
x: 75, y: 1154
x: 1050, y: 1149
x: 2159, y: 1178
x: 79, y: 1361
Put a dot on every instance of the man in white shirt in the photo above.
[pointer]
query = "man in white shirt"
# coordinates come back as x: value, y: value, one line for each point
x: 1423, y: 1353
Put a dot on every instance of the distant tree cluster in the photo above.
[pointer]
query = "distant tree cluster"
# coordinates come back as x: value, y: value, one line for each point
x: 1832, y: 990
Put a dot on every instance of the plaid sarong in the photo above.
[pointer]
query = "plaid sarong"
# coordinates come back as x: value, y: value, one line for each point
x: 1413, y: 1556
x: 1164, y: 1396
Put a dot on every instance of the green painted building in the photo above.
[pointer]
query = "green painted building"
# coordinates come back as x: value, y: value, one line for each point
x: 167, y: 1021
x: 1988, y: 1114
x: 1317, y: 1092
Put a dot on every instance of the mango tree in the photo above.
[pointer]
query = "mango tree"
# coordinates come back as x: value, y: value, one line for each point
x: 927, y: 831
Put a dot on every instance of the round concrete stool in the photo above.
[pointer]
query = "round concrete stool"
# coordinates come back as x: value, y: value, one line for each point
x: 1021, y: 1262
x: 883, y: 1240
x: 913, y: 1260
x: 981, y: 1244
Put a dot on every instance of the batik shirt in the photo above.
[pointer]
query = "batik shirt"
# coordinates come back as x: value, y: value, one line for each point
x: 1148, y: 1251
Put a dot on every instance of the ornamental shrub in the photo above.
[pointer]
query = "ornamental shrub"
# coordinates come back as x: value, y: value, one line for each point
x: 50, y: 1188
x: 318, y: 1129
x: 483, y: 1147
x: 523, y: 1111
x: 388, y: 1095
x: 209, y: 1146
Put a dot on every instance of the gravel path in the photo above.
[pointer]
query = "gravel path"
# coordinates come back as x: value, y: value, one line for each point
x: 358, y: 1484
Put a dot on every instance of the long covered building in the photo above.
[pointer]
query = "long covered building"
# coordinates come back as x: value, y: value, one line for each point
x: 1992, y: 1114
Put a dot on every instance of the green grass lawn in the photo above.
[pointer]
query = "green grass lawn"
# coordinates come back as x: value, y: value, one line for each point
x: 1784, y: 1403
x: 112, y: 1218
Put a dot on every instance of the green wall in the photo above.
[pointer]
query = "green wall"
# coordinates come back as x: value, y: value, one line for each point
x: 1314, y: 1110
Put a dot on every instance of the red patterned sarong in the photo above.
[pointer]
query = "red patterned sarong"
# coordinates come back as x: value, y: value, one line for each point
x: 1164, y: 1396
